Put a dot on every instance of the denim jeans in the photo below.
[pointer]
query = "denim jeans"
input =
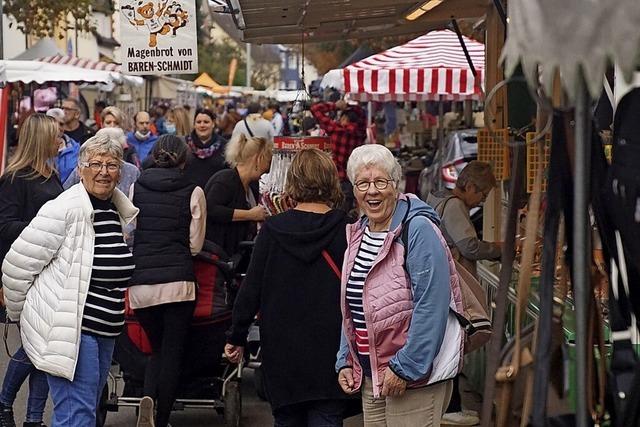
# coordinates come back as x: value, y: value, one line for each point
x: 75, y: 402
x: 315, y: 413
x: 19, y: 368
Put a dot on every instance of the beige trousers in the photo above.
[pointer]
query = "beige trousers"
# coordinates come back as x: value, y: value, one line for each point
x: 419, y: 407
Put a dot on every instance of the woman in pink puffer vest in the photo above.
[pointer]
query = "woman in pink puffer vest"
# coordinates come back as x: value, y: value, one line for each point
x: 401, y: 341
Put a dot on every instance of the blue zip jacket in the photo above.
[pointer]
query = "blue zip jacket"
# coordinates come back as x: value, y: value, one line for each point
x: 67, y: 159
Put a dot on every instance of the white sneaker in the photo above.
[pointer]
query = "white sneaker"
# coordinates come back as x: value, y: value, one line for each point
x: 145, y: 413
x: 464, y: 418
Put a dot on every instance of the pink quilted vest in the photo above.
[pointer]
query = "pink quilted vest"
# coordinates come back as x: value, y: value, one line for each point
x: 388, y: 304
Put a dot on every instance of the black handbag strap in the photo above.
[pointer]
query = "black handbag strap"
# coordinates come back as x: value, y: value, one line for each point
x: 247, y: 126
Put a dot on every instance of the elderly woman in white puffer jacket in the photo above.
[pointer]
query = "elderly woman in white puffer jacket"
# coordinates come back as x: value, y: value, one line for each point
x: 64, y: 279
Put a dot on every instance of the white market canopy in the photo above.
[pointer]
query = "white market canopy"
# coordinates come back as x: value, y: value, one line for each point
x: 12, y: 71
x: 426, y: 68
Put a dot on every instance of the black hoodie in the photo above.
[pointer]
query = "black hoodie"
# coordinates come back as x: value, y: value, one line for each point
x: 298, y: 296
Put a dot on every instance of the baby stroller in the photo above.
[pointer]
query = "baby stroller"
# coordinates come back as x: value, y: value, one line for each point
x: 208, y: 380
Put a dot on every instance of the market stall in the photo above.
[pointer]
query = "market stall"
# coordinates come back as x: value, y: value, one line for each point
x: 564, y: 57
x: 430, y: 67
x: 23, y: 78
x: 126, y: 92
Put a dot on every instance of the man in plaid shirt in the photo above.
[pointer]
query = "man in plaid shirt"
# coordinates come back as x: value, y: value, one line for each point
x: 345, y: 133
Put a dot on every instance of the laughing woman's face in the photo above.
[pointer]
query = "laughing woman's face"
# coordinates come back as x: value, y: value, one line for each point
x: 376, y: 195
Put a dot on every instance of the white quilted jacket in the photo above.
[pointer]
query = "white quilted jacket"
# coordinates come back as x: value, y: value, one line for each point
x: 46, y: 278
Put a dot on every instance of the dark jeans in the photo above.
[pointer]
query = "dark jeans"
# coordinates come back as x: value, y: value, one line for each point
x: 167, y: 326
x: 19, y: 368
x: 316, y: 413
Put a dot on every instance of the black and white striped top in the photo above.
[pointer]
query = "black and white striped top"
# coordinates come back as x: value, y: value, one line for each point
x: 112, y: 268
x: 367, y: 253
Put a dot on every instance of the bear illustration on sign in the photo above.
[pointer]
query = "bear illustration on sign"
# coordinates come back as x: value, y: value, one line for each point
x: 160, y: 17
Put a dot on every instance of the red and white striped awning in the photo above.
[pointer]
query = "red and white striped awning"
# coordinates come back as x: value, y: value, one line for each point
x: 81, y: 62
x: 426, y: 68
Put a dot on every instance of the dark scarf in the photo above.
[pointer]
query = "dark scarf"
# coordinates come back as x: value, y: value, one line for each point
x: 201, y: 150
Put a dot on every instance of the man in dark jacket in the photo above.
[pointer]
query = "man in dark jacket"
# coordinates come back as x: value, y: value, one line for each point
x: 73, y: 127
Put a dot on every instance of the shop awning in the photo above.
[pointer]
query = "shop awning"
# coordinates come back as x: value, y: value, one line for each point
x: 41, y: 72
x: 426, y: 68
x: 88, y: 64
x: 80, y: 62
x: 285, y: 21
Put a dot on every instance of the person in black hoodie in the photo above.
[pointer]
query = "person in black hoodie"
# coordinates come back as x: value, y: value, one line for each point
x: 170, y: 229
x: 29, y: 181
x: 293, y: 280
x: 232, y: 196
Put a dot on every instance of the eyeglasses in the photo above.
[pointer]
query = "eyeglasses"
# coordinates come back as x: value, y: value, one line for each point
x: 97, y: 166
x: 380, y: 184
x: 70, y: 109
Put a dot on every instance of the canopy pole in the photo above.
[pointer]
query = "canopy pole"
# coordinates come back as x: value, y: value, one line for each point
x: 454, y: 24
x: 581, y: 244
x: 501, y: 12
x: 440, y: 122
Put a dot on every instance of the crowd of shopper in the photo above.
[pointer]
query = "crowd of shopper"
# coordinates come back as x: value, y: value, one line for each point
x: 345, y: 305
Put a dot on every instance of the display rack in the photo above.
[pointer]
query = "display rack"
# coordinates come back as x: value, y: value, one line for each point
x: 493, y: 149
x: 272, y: 185
x: 534, y: 162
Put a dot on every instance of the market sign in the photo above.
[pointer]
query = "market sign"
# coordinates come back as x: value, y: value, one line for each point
x: 158, y: 37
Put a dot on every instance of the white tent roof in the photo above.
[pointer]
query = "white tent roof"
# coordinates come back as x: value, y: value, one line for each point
x: 42, y: 72
x: 44, y: 47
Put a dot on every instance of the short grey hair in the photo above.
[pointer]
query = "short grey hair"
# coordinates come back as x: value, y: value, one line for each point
x: 108, y: 141
x: 56, y: 113
x: 373, y: 155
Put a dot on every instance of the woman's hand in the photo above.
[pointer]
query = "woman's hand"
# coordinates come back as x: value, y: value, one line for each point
x: 392, y: 385
x: 345, y: 379
x: 257, y: 213
x: 233, y: 352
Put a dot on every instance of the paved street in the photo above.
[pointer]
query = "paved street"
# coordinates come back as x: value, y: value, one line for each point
x: 255, y: 412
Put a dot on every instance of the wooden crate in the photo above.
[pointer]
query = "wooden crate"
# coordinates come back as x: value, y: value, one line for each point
x: 493, y: 149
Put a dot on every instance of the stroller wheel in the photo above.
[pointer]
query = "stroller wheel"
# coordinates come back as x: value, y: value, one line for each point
x: 101, y: 413
x: 232, y: 404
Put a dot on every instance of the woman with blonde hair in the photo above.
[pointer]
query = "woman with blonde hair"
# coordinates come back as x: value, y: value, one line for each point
x: 113, y: 117
x: 293, y: 280
x: 29, y: 181
x: 232, y: 194
x: 178, y: 122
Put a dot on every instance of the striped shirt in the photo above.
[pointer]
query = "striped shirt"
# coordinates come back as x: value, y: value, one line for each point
x: 367, y: 253
x: 112, y: 268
